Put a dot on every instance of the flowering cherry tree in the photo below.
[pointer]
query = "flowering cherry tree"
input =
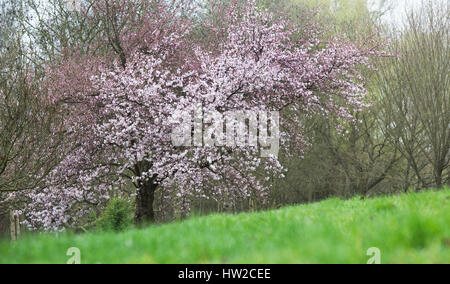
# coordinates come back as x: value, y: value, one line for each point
x: 121, y: 108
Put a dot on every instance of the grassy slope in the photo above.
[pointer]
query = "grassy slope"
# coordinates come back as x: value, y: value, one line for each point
x: 412, y: 228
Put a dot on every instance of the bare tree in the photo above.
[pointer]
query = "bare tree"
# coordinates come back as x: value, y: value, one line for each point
x: 28, y: 126
x: 415, y: 92
x: 31, y: 132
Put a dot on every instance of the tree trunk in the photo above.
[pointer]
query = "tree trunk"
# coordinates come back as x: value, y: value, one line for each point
x: 438, y: 178
x: 13, y: 227
x: 144, y: 203
x: 18, y: 232
x: 4, y: 225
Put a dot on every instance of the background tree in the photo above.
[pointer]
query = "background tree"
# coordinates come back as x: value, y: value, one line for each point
x: 30, y: 126
x: 350, y: 159
x: 415, y: 93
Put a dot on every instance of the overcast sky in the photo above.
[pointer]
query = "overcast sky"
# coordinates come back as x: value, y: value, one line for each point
x: 398, y: 14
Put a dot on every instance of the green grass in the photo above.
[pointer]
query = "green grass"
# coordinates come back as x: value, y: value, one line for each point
x: 412, y: 228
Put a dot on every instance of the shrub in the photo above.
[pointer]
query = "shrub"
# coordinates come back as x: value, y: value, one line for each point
x: 118, y: 216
